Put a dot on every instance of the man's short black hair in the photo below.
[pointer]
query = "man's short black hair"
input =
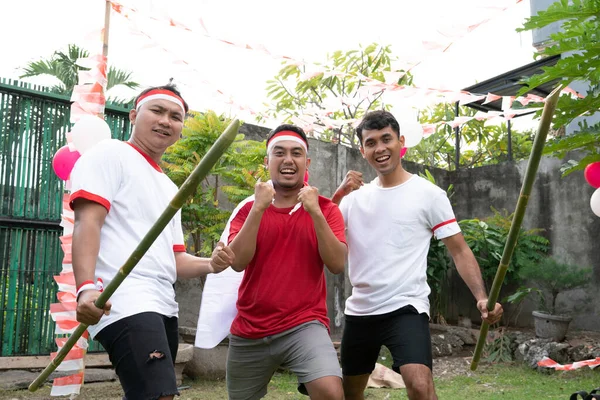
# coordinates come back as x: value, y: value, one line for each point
x: 377, y: 120
x: 288, y: 127
x: 171, y: 87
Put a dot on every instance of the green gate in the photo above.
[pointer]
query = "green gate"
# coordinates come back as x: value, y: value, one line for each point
x: 33, y: 124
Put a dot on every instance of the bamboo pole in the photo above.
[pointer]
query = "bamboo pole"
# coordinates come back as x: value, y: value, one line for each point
x: 515, y: 227
x: 186, y: 190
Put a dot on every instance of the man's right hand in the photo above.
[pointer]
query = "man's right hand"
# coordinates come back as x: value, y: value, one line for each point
x: 263, y: 195
x: 87, y: 312
x: 353, y: 181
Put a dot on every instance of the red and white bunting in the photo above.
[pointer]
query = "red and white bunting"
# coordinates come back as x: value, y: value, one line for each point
x: 87, y: 99
x: 444, y: 39
x: 549, y: 363
x: 68, y: 385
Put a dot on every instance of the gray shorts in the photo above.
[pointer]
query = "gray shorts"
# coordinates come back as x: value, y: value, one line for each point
x: 306, y: 350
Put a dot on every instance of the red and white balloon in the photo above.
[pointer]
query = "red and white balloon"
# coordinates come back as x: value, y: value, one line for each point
x: 595, y: 202
x: 412, y: 132
x: 592, y: 174
x: 88, y: 131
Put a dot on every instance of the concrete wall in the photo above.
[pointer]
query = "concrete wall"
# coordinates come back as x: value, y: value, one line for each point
x: 558, y: 205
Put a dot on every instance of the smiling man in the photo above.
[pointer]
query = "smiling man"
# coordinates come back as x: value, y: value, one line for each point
x: 282, y: 238
x: 390, y: 224
x: 118, y: 193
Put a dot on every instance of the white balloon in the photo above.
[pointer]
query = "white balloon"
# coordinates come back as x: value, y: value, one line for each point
x: 412, y: 132
x: 89, y: 131
x: 595, y: 202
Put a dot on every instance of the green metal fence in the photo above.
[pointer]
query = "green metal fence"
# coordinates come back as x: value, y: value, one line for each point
x: 33, y: 124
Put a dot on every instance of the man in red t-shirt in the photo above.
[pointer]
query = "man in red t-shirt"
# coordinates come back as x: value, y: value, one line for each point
x: 282, y: 237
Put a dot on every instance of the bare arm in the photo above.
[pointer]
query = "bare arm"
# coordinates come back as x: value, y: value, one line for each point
x: 189, y: 266
x: 89, y: 219
x: 244, y: 244
x: 469, y: 271
x: 466, y: 265
x: 331, y: 249
x: 352, y: 181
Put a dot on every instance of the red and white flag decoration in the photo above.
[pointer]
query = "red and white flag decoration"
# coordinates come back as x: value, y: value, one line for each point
x: 549, y: 363
x: 87, y: 99
x: 63, y: 314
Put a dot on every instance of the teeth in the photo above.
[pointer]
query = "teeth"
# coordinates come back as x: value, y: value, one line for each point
x: 382, y: 158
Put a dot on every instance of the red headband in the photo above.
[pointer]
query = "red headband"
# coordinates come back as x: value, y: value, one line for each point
x: 160, y: 94
x: 286, y: 135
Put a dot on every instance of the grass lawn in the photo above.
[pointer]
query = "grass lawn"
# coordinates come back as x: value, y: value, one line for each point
x: 500, y: 381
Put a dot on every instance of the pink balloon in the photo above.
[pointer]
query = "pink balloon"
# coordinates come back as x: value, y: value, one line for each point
x: 592, y: 174
x: 64, y: 161
x: 402, y: 152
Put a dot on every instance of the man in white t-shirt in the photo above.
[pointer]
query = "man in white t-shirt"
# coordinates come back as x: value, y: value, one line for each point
x: 118, y: 192
x: 389, y: 226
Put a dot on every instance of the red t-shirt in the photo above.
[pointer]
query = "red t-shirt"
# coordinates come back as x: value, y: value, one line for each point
x: 284, y: 284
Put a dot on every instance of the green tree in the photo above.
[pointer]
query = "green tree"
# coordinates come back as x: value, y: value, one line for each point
x: 480, y: 144
x: 232, y: 178
x: 63, y: 66
x: 336, y: 94
x: 577, y: 43
x: 487, y: 239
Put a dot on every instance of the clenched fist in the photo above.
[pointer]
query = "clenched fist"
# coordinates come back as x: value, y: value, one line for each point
x: 309, y: 197
x: 87, y: 312
x: 353, y: 181
x: 490, y: 316
x: 263, y: 195
x: 221, y: 258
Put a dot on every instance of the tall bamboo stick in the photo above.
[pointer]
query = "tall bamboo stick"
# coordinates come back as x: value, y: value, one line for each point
x: 186, y: 190
x: 515, y: 227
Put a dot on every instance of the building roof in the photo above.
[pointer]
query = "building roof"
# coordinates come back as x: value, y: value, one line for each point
x: 507, y: 84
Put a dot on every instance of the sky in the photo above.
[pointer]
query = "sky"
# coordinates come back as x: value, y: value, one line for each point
x: 202, y: 64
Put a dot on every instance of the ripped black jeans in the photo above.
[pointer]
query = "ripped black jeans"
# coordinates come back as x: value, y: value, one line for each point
x: 142, y: 348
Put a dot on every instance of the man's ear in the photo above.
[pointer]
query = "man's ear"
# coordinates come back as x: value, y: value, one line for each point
x: 362, y: 151
x: 402, y: 140
x: 132, y: 116
x: 307, y: 162
x: 266, y: 161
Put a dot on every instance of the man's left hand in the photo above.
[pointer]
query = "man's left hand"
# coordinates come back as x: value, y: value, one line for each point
x: 309, y: 197
x: 492, y: 316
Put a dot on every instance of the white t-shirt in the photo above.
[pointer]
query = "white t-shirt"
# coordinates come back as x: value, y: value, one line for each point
x: 135, y: 192
x: 388, y: 233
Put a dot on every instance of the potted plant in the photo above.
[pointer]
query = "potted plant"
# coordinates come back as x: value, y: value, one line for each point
x: 551, y: 278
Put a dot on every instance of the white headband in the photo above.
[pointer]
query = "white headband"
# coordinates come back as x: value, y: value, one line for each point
x: 282, y: 138
x: 160, y: 96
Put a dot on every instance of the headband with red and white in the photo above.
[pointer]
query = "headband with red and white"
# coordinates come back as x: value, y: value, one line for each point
x: 286, y: 135
x: 161, y: 94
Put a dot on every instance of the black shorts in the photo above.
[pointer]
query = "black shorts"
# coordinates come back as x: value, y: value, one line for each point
x: 404, y: 332
x: 142, y: 349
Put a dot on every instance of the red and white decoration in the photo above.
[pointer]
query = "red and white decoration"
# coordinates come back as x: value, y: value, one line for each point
x: 549, y: 363
x: 89, y: 128
x: 592, y: 176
